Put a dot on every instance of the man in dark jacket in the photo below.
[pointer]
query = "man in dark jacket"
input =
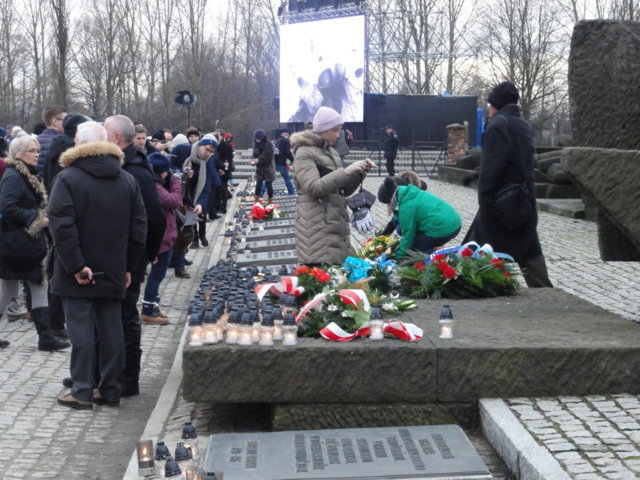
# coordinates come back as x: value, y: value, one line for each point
x: 121, y: 131
x: 390, y: 149
x: 507, y: 158
x: 98, y: 222
x: 282, y: 154
x: 60, y: 144
x: 52, y: 117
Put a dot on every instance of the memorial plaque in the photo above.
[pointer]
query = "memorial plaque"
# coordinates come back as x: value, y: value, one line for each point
x: 286, y: 222
x: 402, y: 453
x: 282, y: 257
x: 270, y: 234
x: 269, y: 245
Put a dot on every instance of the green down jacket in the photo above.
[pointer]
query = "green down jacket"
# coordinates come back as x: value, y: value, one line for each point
x: 322, y: 221
x: 420, y: 211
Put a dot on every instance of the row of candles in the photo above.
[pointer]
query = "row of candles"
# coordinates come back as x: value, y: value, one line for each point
x: 183, y: 465
x: 226, y: 309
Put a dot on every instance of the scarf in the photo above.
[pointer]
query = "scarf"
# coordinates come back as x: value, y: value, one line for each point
x: 194, y: 159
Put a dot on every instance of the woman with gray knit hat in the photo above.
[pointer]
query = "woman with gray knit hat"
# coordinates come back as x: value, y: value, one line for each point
x: 322, y: 221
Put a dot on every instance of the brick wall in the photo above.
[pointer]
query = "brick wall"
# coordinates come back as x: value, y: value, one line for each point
x: 456, y: 142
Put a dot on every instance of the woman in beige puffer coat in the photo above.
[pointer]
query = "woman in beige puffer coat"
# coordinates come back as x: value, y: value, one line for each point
x: 322, y: 221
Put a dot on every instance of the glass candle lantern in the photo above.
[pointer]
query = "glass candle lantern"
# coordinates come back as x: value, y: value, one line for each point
x: 210, y: 328
x: 255, y: 331
x: 172, y: 470
x: 289, y: 331
x: 182, y: 456
x: 162, y: 454
x: 190, y: 437
x: 376, y: 324
x: 233, y: 328
x: 266, y: 331
x: 278, y: 323
x: 194, y: 473
x: 146, y: 465
x: 196, y: 332
x: 245, y: 333
x: 446, y: 323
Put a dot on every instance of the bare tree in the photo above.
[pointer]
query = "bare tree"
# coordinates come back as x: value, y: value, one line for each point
x: 61, y: 47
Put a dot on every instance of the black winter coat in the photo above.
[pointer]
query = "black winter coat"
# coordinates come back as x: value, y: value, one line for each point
x: 22, y: 205
x: 225, y: 154
x: 284, y: 151
x: 137, y: 165
x: 391, y: 145
x: 59, y: 145
x: 97, y: 219
x: 507, y: 155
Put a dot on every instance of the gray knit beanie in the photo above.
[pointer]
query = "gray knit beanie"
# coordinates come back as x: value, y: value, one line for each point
x: 325, y: 119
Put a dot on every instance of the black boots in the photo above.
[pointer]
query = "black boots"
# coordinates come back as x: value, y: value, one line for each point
x: 202, y: 233
x: 46, y: 341
x: 4, y: 343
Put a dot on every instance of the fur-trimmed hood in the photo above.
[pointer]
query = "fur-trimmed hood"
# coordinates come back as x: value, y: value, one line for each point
x: 307, y: 139
x: 38, y: 224
x: 92, y: 149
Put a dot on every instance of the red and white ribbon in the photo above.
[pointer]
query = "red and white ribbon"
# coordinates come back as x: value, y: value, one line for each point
x: 335, y: 333
x: 404, y: 331
x: 348, y: 297
x: 354, y: 297
x: 285, y: 285
x: 309, y: 305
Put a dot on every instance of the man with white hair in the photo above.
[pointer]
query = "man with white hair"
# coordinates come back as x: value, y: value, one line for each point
x: 121, y: 131
x: 98, y: 222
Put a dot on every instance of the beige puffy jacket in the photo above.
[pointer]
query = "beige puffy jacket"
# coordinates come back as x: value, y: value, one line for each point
x: 322, y: 220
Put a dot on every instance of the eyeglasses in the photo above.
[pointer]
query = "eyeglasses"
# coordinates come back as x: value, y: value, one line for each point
x: 32, y: 150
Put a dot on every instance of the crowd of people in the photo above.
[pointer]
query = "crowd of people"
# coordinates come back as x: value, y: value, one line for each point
x: 87, y: 211
x: 108, y: 204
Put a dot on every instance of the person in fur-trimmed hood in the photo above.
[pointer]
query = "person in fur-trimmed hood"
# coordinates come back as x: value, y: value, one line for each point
x: 99, y: 224
x: 322, y: 221
x: 23, y: 202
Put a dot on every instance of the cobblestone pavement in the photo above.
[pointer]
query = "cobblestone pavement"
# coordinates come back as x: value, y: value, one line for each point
x: 39, y: 439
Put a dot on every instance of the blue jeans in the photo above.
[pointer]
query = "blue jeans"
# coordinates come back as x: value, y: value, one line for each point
x: 156, y: 275
x: 287, y: 180
x: 426, y: 244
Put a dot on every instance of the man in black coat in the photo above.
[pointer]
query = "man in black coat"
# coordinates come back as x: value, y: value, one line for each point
x: 390, y: 149
x: 121, y: 131
x: 507, y: 158
x: 98, y: 222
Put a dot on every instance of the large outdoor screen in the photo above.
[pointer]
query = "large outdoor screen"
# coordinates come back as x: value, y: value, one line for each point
x: 322, y: 63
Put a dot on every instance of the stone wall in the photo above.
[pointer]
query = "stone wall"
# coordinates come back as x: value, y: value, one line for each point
x: 604, y: 81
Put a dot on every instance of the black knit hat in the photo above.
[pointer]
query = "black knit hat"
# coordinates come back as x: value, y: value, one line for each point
x: 71, y: 122
x: 388, y: 188
x: 158, y: 136
x: 503, y: 94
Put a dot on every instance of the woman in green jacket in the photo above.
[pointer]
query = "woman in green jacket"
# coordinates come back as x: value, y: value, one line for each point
x: 425, y: 221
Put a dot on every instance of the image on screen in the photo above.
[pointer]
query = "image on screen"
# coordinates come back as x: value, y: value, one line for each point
x: 322, y: 64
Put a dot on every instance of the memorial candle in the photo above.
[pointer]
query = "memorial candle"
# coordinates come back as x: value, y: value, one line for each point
x: 376, y: 324
x: 266, y: 331
x: 289, y: 331
x: 245, y: 335
x: 446, y: 323
x: 144, y: 450
x: 196, y: 332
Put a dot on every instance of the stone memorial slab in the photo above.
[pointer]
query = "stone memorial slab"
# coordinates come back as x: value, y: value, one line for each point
x: 269, y: 245
x: 402, y: 453
x: 286, y: 222
x: 270, y: 234
x: 282, y: 257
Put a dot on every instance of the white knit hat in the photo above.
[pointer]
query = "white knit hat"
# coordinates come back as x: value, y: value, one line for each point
x: 325, y: 119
